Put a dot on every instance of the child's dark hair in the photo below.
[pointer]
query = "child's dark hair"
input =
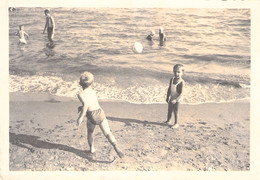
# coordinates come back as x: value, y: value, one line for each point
x: 20, y: 26
x: 46, y: 11
x: 177, y: 66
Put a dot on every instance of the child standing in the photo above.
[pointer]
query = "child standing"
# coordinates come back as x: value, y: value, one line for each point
x: 49, y: 25
x: 21, y: 33
x: 95, y: 114
x: 162, y: 35
x: 174, y: 94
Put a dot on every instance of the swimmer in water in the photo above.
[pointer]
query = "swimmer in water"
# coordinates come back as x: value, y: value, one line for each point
x: 94, y: 113
x: 49, y: 25
x: 21, y: 33
x: 150, y: 36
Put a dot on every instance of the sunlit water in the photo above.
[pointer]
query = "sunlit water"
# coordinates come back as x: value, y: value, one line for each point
x: 212, y: 44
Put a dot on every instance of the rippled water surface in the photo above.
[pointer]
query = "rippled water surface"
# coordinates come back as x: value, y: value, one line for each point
x: 213, y: 45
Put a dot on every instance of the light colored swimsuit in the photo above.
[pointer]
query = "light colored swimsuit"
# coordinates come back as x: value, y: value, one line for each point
x: 22, y: 40
x: 174, y: 93
x: 21, y: 37
x: 96, y: 117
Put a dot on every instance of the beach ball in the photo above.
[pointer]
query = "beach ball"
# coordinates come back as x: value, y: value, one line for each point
x: 138, y: 47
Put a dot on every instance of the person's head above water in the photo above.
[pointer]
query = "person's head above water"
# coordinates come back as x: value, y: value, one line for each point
x: 152, y: 32
x: 86, y: 79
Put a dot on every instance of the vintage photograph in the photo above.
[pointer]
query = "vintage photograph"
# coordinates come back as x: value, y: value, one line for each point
x: 129, y: 89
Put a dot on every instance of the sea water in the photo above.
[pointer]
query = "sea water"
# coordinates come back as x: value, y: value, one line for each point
x: 212, y: 44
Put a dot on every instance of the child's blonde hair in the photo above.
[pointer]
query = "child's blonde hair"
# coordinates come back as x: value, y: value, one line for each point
x: 86, y: 79
x: 161, y: 29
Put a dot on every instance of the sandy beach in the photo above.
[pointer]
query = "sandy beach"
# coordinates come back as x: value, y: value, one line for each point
x: 211, y: 137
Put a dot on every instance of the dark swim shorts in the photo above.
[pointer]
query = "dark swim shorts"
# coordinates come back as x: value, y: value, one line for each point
x: 96, y: 117
x: 50, y: 29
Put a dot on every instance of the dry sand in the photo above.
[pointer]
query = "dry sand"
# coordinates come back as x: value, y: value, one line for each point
x: 211, y: 137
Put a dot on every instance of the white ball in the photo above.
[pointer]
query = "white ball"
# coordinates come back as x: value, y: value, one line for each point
x: 138, y: 47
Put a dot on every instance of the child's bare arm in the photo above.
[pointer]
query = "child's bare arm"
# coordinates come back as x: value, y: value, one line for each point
x: 165, y: 38
x: 26, y: 34
x: 168, y: 92
x: 46, y: 24
x: 181, y: 91
x: 53, y: 23
x: 83, y: 110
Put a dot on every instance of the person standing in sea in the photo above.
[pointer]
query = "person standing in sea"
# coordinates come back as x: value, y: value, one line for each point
x: 49, y: 25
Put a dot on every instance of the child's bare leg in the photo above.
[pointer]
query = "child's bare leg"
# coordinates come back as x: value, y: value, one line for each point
x: 170, y: 110
x: 175, y: 110
x: 106, y: 131
x: 50, y: 36
x: 90, y: 129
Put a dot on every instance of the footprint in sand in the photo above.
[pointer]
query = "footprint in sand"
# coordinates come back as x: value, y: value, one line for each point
x: 237, y: 142
x: 18, y: 126
x: 206, y: 127
x: 229, y: 126
x: 190, y: 126
x: 57, y: 127
x: 70, y: 121
x: 52, y: 100
x: 127, y: 124
x: 204, y: 123
x: 38, y: 129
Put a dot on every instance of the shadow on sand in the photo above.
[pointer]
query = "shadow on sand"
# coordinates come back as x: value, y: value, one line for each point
x: 23, y: 140
x: 129, y: 121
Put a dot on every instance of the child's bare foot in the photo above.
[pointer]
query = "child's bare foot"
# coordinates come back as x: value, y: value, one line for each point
x: 79, y: 122
x: 167, y: 122
x: 92, y: 150
x: 175, y: 126
x: 119, y: 152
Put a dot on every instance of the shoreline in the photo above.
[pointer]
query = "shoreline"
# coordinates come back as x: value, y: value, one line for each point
x: 211, y: 137
x: 20, y: 96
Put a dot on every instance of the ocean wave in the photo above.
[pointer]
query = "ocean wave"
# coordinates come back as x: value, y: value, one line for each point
x: 191, y: 77
x: 144, y: 91
x: 220, y: 58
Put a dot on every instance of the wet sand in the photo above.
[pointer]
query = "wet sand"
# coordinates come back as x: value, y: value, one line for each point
x: 44, y: 136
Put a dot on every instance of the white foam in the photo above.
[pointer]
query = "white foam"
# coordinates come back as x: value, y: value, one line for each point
x: 139, y: 92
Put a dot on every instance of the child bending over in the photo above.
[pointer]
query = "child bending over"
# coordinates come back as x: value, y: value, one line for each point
x: 95, y: 114
x: 49, y: 25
